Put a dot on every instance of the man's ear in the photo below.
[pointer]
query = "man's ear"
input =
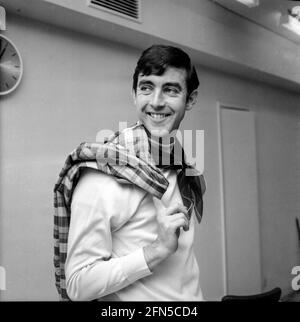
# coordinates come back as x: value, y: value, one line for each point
x: 192, y: 100
x: 133, y: 94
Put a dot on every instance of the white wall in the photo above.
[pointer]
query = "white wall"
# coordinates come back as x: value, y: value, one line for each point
x: 73, y: 86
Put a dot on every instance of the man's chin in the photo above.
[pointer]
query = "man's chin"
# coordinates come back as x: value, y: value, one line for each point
x: 159, y: 132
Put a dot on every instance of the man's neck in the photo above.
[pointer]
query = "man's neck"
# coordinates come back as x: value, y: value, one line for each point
x: 164, y: 150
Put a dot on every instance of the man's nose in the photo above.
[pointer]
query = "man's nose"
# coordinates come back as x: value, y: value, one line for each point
x: 157, y: 99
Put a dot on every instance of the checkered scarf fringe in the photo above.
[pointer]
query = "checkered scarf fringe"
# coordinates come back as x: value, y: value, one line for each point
x: 131, y: 148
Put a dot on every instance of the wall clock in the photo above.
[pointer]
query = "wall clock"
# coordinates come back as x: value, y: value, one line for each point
x: 11, y: 66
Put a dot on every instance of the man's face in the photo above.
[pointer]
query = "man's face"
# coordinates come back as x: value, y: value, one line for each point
x: 161, y: 101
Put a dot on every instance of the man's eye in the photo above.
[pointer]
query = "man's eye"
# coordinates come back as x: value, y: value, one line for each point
x: 145, y: 88
x: 172, y: 90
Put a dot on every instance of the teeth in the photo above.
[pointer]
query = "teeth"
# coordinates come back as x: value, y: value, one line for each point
x: 158, y: 116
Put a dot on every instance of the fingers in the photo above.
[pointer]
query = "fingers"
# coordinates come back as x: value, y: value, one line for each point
x: 170, y: 220
x: 173, y: 217
x: 175, y: 221
x: 180, y: 210
x: 176, y: 209
x: 181, y: 221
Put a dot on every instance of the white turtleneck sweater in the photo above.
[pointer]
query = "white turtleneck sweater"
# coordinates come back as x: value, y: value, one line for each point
x: 110, y: 224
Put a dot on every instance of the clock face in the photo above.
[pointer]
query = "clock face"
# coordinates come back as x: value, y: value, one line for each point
x: 11, y: 67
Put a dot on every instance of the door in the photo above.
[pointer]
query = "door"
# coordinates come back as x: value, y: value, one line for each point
x: 240, y: 202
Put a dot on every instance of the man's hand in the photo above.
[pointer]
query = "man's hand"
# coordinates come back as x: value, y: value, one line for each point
x: 169, y: 221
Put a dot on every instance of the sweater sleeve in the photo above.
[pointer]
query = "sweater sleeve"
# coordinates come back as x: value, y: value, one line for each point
x: 98, y: 206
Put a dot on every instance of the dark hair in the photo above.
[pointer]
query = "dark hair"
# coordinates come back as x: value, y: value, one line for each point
x: 157, y: 58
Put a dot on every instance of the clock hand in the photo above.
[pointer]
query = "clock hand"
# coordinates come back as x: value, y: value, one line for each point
x: 3, y: 50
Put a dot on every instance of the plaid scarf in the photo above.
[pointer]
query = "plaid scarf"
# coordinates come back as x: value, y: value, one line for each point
x: 126, y: 156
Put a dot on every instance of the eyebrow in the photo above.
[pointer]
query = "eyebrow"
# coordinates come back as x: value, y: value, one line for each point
x: 145, y: 82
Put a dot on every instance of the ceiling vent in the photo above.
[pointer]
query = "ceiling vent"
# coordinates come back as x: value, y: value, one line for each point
x: 126, y: 8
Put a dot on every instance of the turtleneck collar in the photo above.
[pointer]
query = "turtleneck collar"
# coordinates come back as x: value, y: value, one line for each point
x: 165, y: 151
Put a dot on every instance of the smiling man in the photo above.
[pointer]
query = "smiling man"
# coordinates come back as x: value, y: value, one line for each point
x: 129, y: 228
x: 164, y: 87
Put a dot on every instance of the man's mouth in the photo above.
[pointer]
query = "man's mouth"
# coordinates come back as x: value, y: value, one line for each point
x: 158, y: 116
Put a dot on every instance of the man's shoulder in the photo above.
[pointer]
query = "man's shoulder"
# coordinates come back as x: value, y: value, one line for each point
x: 98, y: 184
x: 93, y: 179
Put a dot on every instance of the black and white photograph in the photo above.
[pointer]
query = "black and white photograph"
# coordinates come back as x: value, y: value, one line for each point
x: 149, y: 153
